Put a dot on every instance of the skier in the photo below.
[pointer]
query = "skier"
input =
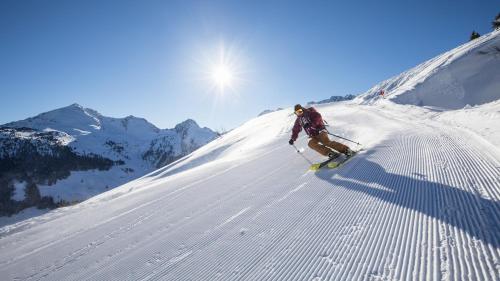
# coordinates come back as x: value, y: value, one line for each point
x: 312, y: 122
x: 382, y: 94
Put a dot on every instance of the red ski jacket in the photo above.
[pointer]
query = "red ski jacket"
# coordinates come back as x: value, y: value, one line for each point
x: 311, y: 121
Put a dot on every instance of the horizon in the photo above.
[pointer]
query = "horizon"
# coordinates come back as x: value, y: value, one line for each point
x: 157, y: 60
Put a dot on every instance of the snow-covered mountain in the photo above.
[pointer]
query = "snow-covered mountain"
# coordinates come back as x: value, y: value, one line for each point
x: 311, y: 103
x: 420, y: 202
x: 98, y: 153
x: 465, y: 76
x: 333, y: 99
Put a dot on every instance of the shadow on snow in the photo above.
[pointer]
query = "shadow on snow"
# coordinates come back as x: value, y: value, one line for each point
x: 471, y: 213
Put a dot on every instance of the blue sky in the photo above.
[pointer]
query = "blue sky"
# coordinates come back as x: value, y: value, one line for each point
x: 152, y: 58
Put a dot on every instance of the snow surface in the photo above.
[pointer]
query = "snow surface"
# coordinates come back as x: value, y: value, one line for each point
x: 81, y: 185
x: 420, y: 202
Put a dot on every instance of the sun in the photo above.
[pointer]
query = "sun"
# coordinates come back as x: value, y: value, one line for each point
x: 222, y: 76
x: 224, y: 69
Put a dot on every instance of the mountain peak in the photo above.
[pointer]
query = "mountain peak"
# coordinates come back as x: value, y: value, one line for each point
x: 188, y: 123
x: 72, y: 109
x: 76, y: 105
x: 65, y: 119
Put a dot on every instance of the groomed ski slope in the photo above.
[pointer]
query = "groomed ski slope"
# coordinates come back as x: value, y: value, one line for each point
x: 421, y: 202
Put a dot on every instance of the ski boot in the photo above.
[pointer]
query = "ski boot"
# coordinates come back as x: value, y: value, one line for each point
x: 333, y: 155
x: 349, y: 153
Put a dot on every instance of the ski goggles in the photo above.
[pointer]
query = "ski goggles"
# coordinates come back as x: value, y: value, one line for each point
x: 299, y: 111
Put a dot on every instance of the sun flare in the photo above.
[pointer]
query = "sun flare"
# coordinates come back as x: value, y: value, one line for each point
x: 222, y: 76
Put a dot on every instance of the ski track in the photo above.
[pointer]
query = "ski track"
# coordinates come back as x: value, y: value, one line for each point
x: 423, y: 204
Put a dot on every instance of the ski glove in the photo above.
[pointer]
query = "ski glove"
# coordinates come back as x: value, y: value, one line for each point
x: 291, y: 141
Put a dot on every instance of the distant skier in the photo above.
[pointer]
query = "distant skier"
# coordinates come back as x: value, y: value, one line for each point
x: 312, y: 122
x: 382, y: 94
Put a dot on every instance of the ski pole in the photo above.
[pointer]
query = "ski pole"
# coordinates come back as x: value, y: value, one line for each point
x: 298, y: 151
x: 342, y: 138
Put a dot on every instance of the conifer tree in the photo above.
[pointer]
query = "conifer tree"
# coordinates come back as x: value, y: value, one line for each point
x: 496, y: 23
x: 474, y: 35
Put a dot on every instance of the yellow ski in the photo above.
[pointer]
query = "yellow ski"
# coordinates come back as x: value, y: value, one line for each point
x: 331, y: 163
